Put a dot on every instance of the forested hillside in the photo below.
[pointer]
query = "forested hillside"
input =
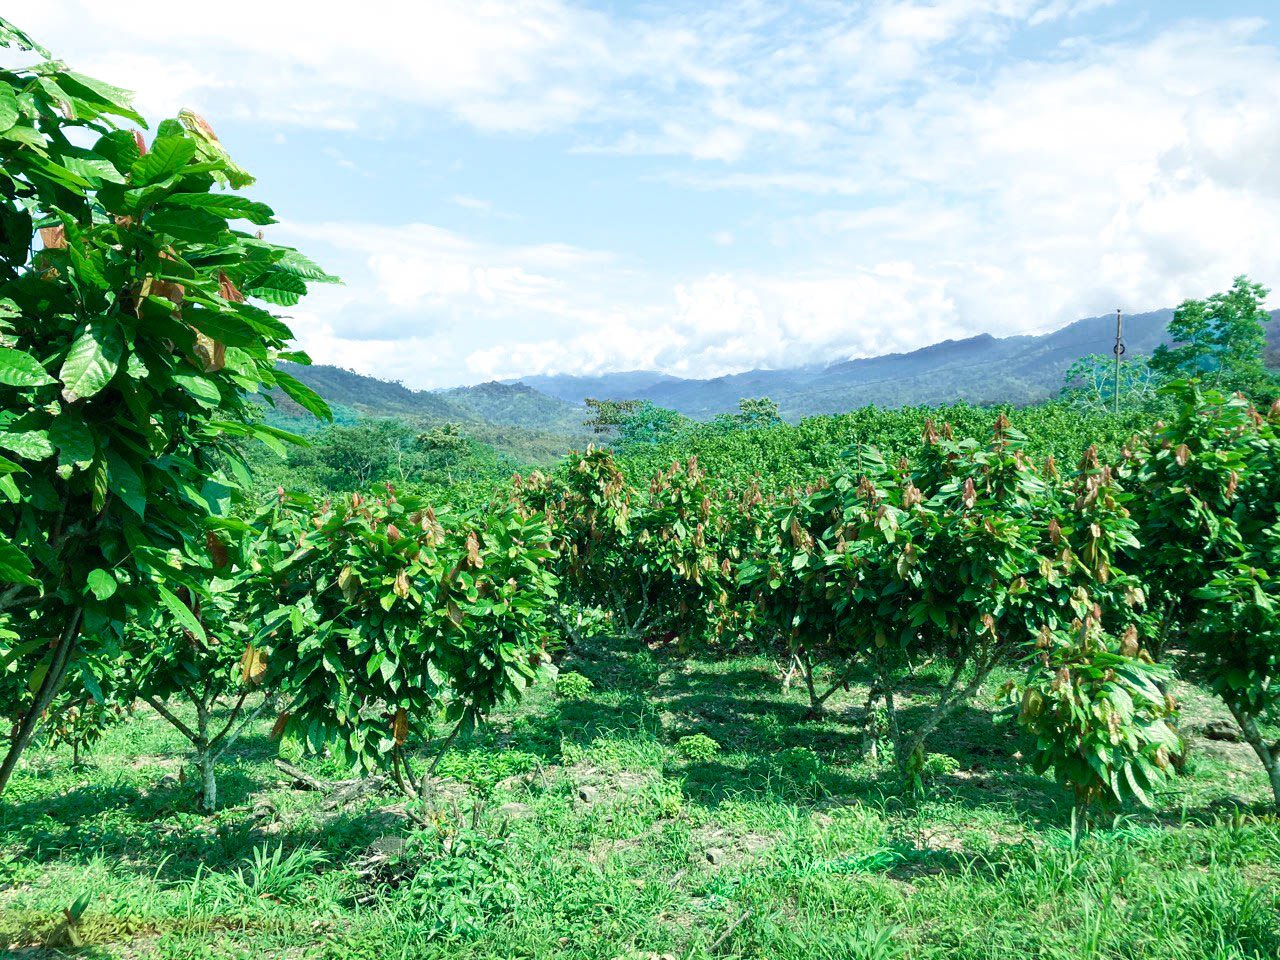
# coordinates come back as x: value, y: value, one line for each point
x: 979, y: 370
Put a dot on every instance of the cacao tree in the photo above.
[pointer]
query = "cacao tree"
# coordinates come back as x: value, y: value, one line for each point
x: 131, y: 343
x: 194, y: 659
x: 381, y: 620
x: 1096, y: 715
x: 1209, y: 515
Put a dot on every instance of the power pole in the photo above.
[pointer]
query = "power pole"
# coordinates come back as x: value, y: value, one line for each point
x: 1119, y: 352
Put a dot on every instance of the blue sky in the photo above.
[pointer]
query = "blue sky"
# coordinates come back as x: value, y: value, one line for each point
x: 511, y: 188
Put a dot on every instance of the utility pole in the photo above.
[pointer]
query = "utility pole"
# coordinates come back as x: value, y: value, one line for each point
x: 1119, y: 352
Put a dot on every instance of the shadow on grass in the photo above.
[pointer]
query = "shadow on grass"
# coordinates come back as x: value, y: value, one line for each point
x: 771, y: 748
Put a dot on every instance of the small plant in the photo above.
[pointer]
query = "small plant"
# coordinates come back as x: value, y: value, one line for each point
x: 770, y: 728
x: 466, y: 882
x: 73, y: 914
x: 669, y: 798
x: 939, y: 765
x: 802, y: 767
x: 573, y: 686
x: 275, y: 876
x: 697, y: 748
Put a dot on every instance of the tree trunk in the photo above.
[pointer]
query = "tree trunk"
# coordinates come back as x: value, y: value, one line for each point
x: 806, y: 671
x: 205, y: 759
x: 208, y: 780
x: 871, y: 725
x: 49, y: 688
x: 1269, y: 754
x: 910, y: 748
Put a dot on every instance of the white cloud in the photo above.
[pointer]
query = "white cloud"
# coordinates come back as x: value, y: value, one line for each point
x: 500, y: 64
x: 905, y: 176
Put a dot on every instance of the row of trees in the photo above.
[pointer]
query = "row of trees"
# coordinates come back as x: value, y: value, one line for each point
x: 134, y: 335
x: 967, y: 556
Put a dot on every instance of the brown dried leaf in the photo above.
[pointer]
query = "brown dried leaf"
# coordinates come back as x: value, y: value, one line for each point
x: 253, y: 664
x: 277, y: 728
x: 54, y: 238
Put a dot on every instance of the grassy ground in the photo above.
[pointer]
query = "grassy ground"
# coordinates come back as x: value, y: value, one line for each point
x: 588, y: 828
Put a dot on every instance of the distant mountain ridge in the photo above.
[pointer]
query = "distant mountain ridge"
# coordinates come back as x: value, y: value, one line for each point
x: 981, y: 369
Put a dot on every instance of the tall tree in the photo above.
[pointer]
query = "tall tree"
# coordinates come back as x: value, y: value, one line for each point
x: 1220, y: 340
x: 129, y: 346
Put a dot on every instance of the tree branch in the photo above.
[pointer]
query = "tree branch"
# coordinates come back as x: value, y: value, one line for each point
x: 235, y: 712
x: 181, y: 727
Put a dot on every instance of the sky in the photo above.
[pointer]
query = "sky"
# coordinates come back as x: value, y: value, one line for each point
x: 512, y: 188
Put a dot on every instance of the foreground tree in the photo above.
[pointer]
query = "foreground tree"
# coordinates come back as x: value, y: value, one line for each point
x: 129, y: 348
x: 380, y: 621
x: 1210, y: 522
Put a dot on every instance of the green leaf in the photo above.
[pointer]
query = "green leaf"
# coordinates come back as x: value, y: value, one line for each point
x: 18, y: 369
x: 102, y: 97
x: 9, y: 110
x: 93, y: 168
x: 73, y: 440
x: 202, y: 388
x: 119, y: 148
x: 181, y: 612
x: 194, y: 226
x: 30, y: 444
x: 91, y: 362
x: 14, y: 565
x: 168, y: 155
x: 303, y: 395
x: 124, y: 480
x: 278, y: 287
x: 225, y: 205
x: 225, y: 327
x: 102, y: 584
x: 11, y: 36
x: 304, y: 267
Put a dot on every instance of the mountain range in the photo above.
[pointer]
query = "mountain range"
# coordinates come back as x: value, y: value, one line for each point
x: 546, y: 409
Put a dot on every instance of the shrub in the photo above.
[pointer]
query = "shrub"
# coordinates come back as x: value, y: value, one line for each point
x: 697, y: 748
x: 573, y: 686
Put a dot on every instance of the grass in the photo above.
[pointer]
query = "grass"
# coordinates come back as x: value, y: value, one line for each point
x: 669, y: 808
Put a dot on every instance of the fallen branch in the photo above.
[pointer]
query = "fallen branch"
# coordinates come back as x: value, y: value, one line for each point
x: 341, y: 792
x: 304, y: 779
x: 725, y: 936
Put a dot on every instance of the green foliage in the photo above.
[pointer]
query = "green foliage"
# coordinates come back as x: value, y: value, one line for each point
x: 795, y: 455
x: 647, y: 424
x: 467, y: 883
x: 1210, y: 517
x: 1220, y: 340
x: 130, y: 351
x: 271, y: 874
x: 651, y: 557
x: 573, y: 686
x: 1097, y: 715
x: 1090, y: 383
x: 381, y: 618
x: 752, y: 414
x: 697, y: 748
